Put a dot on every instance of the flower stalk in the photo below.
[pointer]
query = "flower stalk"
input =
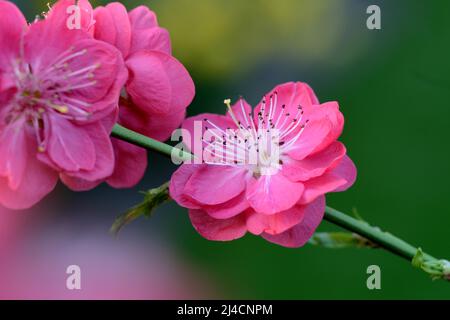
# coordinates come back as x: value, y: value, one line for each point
x: 361, y: 230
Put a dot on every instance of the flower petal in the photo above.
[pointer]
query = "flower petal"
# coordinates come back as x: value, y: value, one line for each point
x: 37, y: 181
x: 329, y: 110
x: 315, y: 132
x: 70, y: 147
x: 271, y: 194
x: 347, y: 170
x: 104, y: 155
x: 218, y: 229
x: 228, y: 209
x: 113, y: 26
x: 172, y: 88
x: 146, y: 34
x: 131, y: 162
x: 284, y: 101
x: 12, y: 27
x: 313, y: 165
x: 142, y: 18
x: 336, y: 180
x: 153, y: 125
x: 299, y: 235
x: 13, y: 154
x: 258, y: 223
x: 177, y: 184
x: 61, y: 12
x: 211, y: 185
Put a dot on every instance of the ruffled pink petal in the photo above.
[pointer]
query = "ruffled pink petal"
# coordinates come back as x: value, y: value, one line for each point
x: 271, y: 194
x: 36, y: 182
x: 155, y: 39
x: 213, y: 185
x: 131, y: 163
x: 104, y: 164
x: 258, y: 223
x: 13, y: 154
x: 87, y: 16
x: 338, y: 179
x: 153, y: 125
x: 77, y: 184
x: 142, y: 18
x: 218, y: 229
x: 8, y: 89
x: 177, y: 184
x: 113, y: 26
x: 69, y: 146
x: 12, y: 27
x: 104, y: 26
x: 311, y: 138
x: 61, y: 12
x: 299, y: 235
x: 171, y: 89
x: 146, y: 34
x: 110, y: 120
x: 329, y: 110
x: 285, y: 100
x: 228, y: 209
x: 314, y: 165
x: 347, y: 170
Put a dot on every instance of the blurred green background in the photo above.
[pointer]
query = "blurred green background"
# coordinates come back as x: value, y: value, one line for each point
x: 393, y: 86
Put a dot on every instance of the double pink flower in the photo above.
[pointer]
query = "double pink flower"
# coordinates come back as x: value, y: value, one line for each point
x: 60, y: 91
x: 158, y: 88
x: 58, y: 102
x: 282, y: 198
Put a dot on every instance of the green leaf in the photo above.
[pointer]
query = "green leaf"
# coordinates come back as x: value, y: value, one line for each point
x: 152, y: 199
x: 418, y: 259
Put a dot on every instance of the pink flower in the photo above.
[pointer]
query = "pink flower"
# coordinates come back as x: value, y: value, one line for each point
x: 58, y: 101
x: 158, y: 88
x: 281, y: 198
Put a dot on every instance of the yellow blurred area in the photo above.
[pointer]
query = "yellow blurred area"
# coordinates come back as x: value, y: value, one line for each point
x: 218, y: 38
x: 224, y: 38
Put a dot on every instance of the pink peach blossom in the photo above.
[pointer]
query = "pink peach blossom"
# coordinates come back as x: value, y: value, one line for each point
x: 283, y: 199
x: 58, y: 101
x: 158, y: 89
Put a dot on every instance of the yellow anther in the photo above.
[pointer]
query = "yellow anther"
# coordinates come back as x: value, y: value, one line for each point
x: 230, y: 110
x: 227, y: 103
x: 62, y: 109
x: 41, y: 149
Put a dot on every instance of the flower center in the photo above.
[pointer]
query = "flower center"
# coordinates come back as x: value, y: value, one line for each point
x: 259, y: 145
x: 49, y: 92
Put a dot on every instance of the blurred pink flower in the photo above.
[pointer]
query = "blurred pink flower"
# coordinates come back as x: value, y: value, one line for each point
x: 281, y: 199
x: 159, y: 88
x: 58, y: 102
x: 133, y: 268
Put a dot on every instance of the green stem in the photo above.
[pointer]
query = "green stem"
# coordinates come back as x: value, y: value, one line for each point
x: 381, y: 238
x: 375, y: 235
x: 148, y: 143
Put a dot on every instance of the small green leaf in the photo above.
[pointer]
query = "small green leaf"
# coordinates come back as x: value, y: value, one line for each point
x: 418, y: 259
x: 339, y: 240
x: 152, y: 199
